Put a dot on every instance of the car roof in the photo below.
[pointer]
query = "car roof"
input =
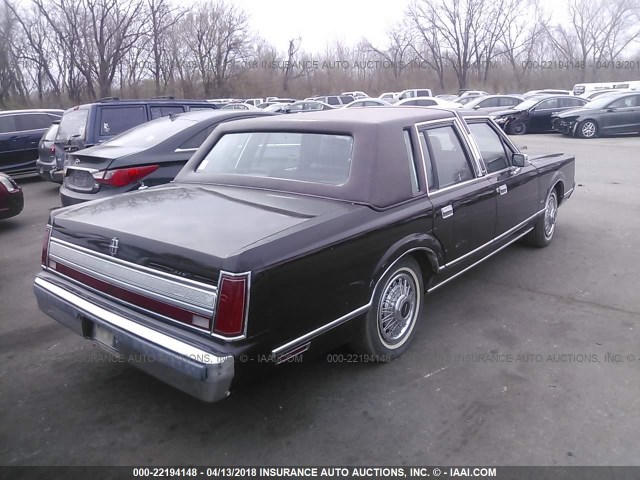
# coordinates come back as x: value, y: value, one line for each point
x: 144, y: 101
x: 349, y: 119
x: 201, y: 115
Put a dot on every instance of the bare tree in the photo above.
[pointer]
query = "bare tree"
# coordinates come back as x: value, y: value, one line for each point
x: 218, y: 40
x: 526, y: 29
x: 162, y: 17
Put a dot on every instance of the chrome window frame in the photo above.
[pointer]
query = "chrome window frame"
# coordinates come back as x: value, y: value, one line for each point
x: 503, y: 137
x: 466, y: 139
x: 413, y: 162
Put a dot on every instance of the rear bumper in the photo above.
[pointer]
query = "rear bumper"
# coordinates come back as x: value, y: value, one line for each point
x: 71, y: 197
x: 188, y: 367
x: 11, y: 204
x: 49, y: 170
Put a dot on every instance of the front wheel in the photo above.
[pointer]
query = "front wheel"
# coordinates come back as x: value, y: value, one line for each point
x: 517, y: 128
x: 545, y: 226
x: 387, y: 329
x: 587, y: 129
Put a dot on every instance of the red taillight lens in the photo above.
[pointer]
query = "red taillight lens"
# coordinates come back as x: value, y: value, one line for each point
x: 232, y: 305
x: 53, y: 149
x: 45, y: 247
x: 124, y: 176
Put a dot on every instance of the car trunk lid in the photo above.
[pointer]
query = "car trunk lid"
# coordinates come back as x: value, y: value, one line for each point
x: 189, y: 231
x: 81, y: 167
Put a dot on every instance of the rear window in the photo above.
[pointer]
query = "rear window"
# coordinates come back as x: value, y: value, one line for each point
x: 72, y: 125
x: 50, y: 135
x: 115, y: 120
x: 304, y: 157
x: 151, y: 133
x: 198, y: 139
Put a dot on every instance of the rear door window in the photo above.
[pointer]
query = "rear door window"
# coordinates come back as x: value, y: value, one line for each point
x: 490, y: 102
x: 571, y: 102
x: 424, y: 93
x: 115, y: 120
x: 346, y: 99
x: 450, y: 163
x: 624, y: 102
x: 333, y: 101
x: 32, y: 121
x: 7, y: 123
x: 548, y: 104
x: 508, y: 102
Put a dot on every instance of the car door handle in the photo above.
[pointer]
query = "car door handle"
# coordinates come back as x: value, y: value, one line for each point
x: 447, y: 211
x: 502, y: 189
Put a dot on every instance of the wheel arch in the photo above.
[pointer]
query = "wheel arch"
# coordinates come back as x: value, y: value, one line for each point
x: 425, y: 249
x: 558, y: 184
x: 580, y: 121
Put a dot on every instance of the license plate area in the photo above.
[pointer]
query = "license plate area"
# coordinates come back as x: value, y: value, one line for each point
x: 103, y: 336
x: 80, y: 180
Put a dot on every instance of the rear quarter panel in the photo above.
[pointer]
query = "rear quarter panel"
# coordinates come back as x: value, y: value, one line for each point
x: 554, y: 170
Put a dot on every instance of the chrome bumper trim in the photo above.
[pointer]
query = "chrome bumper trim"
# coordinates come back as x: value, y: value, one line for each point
x: 174, y: 291
x: 513, y: 240
x: 494, y: 240
x: 203, y: 374
x: 320, y: 330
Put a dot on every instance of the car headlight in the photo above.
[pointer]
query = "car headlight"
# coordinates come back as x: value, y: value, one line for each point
x: 500, y: 119
x: 9, y: 184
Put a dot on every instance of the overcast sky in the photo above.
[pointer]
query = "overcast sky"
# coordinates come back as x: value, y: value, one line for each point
x: 321, y: 22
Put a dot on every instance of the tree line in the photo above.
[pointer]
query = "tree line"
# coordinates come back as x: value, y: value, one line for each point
x: 64, y: 52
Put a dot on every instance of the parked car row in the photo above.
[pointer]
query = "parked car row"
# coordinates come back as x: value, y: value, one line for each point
x: 57, y: 144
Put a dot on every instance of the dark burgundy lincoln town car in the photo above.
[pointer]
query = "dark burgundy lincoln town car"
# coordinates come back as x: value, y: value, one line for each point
x: 290, y: 234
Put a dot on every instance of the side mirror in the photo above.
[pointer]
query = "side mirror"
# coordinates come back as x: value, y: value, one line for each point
x: 519, y: 159
x: 611, y: 109
x: 477, y: 107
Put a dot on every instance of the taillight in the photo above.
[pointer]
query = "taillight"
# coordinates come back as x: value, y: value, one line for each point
x: 231, y: 309
x: 53, y: 149
x: 121, y: 177
x: 45, y: 247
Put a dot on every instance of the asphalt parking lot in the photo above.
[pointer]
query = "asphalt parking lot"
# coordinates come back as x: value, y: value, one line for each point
x: 532, y: 358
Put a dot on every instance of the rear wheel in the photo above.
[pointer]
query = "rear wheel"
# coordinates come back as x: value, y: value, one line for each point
x: 387, y: 329
x: 542, y: 233
x: 587, y: 129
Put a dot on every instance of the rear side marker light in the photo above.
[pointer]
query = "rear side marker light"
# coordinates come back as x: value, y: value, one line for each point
x: 45, y: 247
x: 231, y: 308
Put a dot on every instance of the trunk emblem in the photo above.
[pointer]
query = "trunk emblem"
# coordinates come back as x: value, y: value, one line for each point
x: 113, y: 248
